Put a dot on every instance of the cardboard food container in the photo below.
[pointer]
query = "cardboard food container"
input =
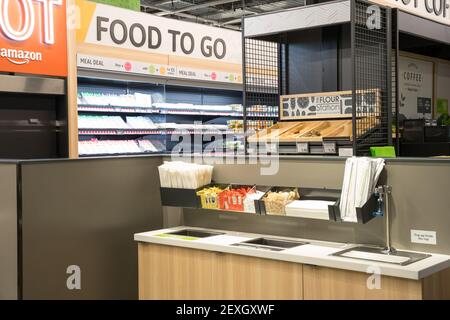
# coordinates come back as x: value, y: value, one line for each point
x: 232, y: 200
x: 210, y: 200
x: 276, y: 207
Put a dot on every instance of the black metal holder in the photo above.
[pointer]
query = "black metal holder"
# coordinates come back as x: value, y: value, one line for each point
x: 258, y: 208
x: 363, y: 214
x: 187, y: 198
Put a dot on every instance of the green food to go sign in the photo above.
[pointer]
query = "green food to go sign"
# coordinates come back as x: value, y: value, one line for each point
x: 127, y: 4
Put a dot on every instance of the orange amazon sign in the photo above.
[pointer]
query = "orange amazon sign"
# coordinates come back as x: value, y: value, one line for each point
x: 33, y: 37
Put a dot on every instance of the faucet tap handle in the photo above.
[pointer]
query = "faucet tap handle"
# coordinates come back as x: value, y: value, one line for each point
x: 387, y: 189
x: 379, y: 190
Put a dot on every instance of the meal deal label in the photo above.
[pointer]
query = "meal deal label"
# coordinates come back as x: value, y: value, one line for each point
x: 112, y: 64
x: 33, y: 37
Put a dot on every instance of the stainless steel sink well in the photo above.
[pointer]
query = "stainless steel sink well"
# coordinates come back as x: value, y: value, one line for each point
x: 270, y: 244
x: 195, y: 233
x: 402, y: 258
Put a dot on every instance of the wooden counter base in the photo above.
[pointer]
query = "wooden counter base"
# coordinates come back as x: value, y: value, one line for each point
x: 175, y: 273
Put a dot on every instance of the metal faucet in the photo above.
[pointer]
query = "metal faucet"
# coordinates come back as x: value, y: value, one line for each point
x: 384, y: 193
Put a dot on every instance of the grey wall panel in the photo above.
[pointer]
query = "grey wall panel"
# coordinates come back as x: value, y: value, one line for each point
x: 345, y: 59
x: 173, y: 217
x: 84, y: 213
x: 8, y: 232
x: 329, y: 54
x: 421, y: 201
x: 319, y: 60
x: 298, y: 18
x: 306, y: 63
x: 421, y: 193
x: 287, y: 226
x: 31, y: 84
x: 412, y: 24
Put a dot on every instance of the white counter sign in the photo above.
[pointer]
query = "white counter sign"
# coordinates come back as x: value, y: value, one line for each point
x: 424, y: 237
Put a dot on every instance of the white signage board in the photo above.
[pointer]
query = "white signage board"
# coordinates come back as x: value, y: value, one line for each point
x: 126, y: 29
x: 436, y: 10
x: 328, y: 103
x: 416, y: 88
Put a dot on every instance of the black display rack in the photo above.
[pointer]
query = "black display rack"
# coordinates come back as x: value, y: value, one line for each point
x: 371, y: 47
x: 325, y: 47
x: 261, y: 89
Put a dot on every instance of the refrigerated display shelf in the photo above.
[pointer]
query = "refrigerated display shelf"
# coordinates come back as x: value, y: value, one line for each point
x: 152, y: 132
x: 120, y: 154
x: 204, y: 132
x: 117, y: 109
x: 201, y: 113
x: 119, y: 132
x: 139, y: 110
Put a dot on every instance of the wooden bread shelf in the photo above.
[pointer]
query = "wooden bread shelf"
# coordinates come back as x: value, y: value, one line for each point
x: 306, y: 131
x: 273, y: 132
x: 300, y: 129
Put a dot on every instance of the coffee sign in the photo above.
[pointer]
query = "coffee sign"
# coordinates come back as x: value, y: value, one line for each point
x: 415, y: 88
x: 33, y: 37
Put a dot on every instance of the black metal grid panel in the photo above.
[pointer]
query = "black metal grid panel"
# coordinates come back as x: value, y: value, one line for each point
x: 284, y: 64
x: 394, y: 102
x: 395, y: 83
x: 371, y: 46
x: 261, y: 84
